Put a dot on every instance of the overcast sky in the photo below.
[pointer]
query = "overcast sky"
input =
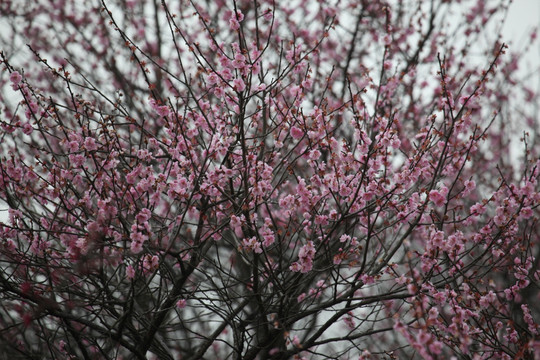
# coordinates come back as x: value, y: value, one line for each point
x: 524, y: 15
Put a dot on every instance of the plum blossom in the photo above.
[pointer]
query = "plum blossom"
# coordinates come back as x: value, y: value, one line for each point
x: 268, y: 15
x: 305, y: 258
x: 275, y: 173
x: 212, y: 78
x: 181, y: 303
x: 90, y: 144
x: 150, y: 263
x: 137, y: 241
x: 296, y: 133
x: 161, y: 110
x: 439, y: 196
x: 478, y: 209
x: 15, y: 79
x: 27, y: 128
x: 349, y: 321
x: 143, y: 216
x: 239, y: 85
x: 130, y: 272
x: 234, y: 24
x: 252, y: 244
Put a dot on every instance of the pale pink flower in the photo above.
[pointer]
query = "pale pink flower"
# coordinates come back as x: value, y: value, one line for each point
x: 268, y: 14
x: 212, y: 78
x: 90, y: 144
x: 27, y: 129
x: 130, y: 272
x: 526, y: 212
x: 143, y: 216
x: 16, y: 79
x: 234, y: 24
x: 437, y: 198
x: 296, y: 133
x: 239, y: 84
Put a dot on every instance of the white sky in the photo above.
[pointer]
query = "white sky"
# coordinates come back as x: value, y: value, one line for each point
x: 523, y: 16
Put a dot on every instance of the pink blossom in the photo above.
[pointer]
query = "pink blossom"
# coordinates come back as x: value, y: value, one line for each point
x: 268, y: 14
x: 345, y: 190
x: 161, y: 110
x: 239, y: 61
x: 218, y: 91
x: 470, y: 185
x: 314, y: 154
x: 501, y: 216
x: 90, y: 144
x: 27, y: 129
x: 296, y: 133
x: 478, y: 209
x: 436, y: 347
x: 437, y: 197
x: 273, y: 161
x: 226, y: 74
x: 252, y: 244
x: 239, y: 84
x: 321, y: 220
x: 212, y: 78
x: 395, y: 142
x: 305, y: 258
x: 136, y: 247
x: 236, y: 225
x: 130, y: 272
x: 15, y: 79
x: 338, y: 258
x: 150, y: 263
x: 73, y: 146
x: 32, y: 110
x: 487, y: 299
x: 143, y: 154
x: 239, y: 15
x: 295, y: 91
x: 234, y: 24
x: 143, y: 216
x: 137, y: 241
x: 349, y: 321
x: 366, y: 355
x: 181, y: 303
x: 526, y: 212
x: 307, y: 84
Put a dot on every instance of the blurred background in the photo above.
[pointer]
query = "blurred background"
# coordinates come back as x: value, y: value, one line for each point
x: 523, y: 18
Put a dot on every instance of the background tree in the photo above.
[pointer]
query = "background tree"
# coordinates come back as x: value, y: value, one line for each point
x: 261, y: 179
